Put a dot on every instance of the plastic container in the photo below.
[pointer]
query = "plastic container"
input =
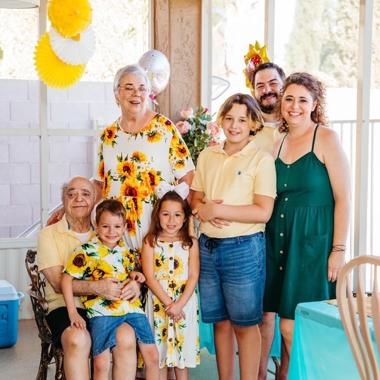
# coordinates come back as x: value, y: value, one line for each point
x: 10, y: 301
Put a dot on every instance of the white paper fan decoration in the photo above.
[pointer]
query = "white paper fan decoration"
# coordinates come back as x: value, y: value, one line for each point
x: 76, y: 50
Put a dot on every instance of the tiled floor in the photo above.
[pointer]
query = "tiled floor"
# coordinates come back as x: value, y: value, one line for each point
x: 21, y: 361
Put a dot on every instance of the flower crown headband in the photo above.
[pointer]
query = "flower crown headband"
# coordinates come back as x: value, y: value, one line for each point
x: 182, y: 189
x: 255, y: 56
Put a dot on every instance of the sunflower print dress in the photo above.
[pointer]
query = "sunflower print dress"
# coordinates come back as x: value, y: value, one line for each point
x: 132, y: 165
x: 177, y: 342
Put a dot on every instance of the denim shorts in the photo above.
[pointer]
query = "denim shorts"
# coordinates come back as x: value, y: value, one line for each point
x: 232, y: 279
x: 103, y: 330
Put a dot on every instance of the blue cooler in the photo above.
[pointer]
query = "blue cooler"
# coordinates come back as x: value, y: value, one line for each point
x: 10, y: 300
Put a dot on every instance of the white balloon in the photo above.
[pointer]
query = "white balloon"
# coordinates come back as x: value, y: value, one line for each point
x: 70, y: 51
x: 157, y: 67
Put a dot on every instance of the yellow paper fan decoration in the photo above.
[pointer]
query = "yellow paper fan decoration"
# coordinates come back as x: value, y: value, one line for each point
x: 69, y: 17
x: 51, y: 70
x: 255, y: 56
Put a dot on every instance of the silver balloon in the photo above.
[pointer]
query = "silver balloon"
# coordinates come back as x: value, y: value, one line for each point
x: 157, y: 67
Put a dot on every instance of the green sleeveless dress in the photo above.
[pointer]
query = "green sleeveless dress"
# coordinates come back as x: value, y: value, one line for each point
x: 299, y: 235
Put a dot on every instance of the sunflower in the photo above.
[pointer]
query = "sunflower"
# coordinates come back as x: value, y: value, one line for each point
x: 154, y: 136
x: 89, y: 302
x: 178, y: 266
x: 129, y: 260
x: 161, y: 264
x: 102, y: 270
x: 180, y: 164
x: 138, y: 156
x: 103, y: 251
x: 181, y: 150
x: 158, y: 309
x: 134, y: 206
x: 126, y: 169
x: 174, y: 142
x: 130, y: 188
x: 109, y: 135
x: 131, y: 226
x: 101, y: 169
x: 136, y: 304
x: 107, y: 184
x: 179, y: 338
x: 151, y: 179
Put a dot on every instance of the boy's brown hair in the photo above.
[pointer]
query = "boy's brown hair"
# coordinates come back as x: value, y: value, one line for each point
x: 113, y: 206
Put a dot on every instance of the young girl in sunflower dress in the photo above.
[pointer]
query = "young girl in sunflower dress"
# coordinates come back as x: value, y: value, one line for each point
x: 170, y: 260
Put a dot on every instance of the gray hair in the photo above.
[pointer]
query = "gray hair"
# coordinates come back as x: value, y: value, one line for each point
x: 129, y: 69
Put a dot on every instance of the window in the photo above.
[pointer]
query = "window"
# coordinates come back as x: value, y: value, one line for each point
x: 36, y: 162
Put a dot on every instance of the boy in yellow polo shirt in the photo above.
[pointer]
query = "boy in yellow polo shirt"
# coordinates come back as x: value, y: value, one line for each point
x: 235, y: 187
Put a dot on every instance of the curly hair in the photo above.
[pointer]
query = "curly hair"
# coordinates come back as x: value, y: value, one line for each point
x: 253, y: 110
x: 317, y: 91
x: 155, y: 226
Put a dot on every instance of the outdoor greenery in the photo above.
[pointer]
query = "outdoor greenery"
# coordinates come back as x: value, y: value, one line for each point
x: 325, y: 38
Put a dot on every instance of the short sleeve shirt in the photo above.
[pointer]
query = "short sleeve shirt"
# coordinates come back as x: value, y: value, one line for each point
x: 55, y: 243
x: 131, y: 166
x: 235, y: 179
x: 95, y: 261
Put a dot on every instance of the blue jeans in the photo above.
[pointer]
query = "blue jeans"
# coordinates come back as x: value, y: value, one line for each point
x: 103, y: 330
x: 232, y: 279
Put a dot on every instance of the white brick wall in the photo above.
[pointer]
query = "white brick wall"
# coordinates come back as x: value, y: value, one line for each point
x: 74, y: 108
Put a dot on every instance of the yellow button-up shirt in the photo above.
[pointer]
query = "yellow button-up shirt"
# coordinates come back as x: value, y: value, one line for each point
x: 55, y: 243
x: 235, y: 179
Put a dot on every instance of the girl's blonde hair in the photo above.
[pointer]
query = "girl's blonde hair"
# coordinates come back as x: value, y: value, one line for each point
x: 253, y: 110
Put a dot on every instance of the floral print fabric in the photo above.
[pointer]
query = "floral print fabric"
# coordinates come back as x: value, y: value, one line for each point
x: 94, y: 261
x: 131, y: 166
x: 177, y: 342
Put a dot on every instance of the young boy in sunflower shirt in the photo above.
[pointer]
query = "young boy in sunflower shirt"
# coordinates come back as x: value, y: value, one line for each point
x: 106, y: 256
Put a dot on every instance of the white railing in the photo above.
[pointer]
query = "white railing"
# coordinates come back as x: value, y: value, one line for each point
x: 347, y: 132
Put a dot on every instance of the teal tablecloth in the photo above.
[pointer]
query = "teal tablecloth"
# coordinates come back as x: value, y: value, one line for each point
x: 320, y: 349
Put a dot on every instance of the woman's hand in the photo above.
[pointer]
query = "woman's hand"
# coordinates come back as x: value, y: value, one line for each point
x: 56, y: 216
x: 77, y: 321
x: 335, y: 264
x: 174, y: 311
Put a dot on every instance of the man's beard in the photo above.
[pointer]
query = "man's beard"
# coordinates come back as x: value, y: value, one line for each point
x: 270, y: 108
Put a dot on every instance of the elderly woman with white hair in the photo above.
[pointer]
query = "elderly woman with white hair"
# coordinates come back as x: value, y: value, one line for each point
x: 138, y: 151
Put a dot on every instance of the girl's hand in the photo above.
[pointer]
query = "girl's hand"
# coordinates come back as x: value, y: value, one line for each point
x: 137, y: 276
x: 77, y: 321
x: 174, y: 310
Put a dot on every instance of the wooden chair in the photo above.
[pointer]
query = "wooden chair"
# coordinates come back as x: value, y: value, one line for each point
x: 356, y: 326
x: 50, y: 352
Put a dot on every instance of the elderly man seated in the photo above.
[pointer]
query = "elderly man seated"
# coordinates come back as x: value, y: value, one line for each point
x: 55, y: 243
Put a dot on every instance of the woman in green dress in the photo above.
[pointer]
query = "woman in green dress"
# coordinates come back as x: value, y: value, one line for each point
x: 307, y: 232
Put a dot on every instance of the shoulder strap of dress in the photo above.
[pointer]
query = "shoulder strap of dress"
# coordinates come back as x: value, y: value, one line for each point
x: 315, y: 134
x: 279, y: 151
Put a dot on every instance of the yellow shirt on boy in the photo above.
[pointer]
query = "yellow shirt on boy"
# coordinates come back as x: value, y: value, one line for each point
x: 234, y: 179
x: 94, y: 261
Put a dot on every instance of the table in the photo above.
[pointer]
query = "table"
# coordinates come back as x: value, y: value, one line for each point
x: 320, y: 349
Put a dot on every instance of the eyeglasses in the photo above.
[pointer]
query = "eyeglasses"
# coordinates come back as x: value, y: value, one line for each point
x: 132, y: 90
